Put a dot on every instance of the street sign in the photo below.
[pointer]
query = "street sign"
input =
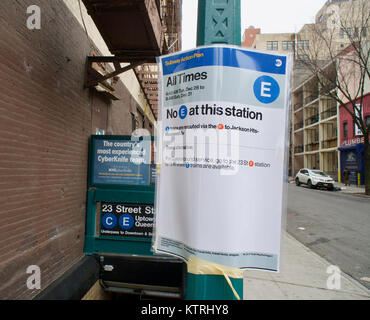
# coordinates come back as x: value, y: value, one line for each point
x: 120, y: 198
x: 126, y: 219
x: 222, y: 149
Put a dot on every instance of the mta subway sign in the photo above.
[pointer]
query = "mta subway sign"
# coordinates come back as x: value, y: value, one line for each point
x: 222, y: 146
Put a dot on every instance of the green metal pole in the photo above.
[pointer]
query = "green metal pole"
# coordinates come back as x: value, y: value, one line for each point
x: 218, y: 22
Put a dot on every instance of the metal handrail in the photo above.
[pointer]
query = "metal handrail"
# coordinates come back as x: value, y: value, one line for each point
x: 310, y: 98
x: 298, y: 125
x: 298, y: 149
x: 298, y: 106
x: 326, y: 89
x: 313, y: 146
x: 329, y: 113
x: 329, y: 143
x: 313, y: 119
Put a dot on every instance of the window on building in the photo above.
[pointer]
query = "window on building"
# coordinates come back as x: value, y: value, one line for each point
x: 133, y: 122
x: 345, y: 130
x: 367, y: 121
x: 349, y: 32
x: 341, y: 33
x: 288, y: 45
x: 355, y: 33
x: 303, y: 57
x: 303, y: 44
x: 364, y: 32
x: 355, y: 129
x: 272, y: 45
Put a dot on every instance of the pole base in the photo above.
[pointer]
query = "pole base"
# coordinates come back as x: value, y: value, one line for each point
x: 212, y: 287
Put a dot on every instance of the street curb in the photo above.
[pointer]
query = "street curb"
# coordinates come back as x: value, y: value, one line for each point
x: 286, y: 285
x: 360, y: 192
x: 362, y: 195
x: 352, y: 280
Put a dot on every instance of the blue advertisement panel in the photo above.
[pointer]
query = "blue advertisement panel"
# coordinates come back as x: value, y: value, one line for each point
x: 352, y: 159
x: 124, y: 162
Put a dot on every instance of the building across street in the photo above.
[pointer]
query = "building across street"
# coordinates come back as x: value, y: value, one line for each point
x: 323, y: 133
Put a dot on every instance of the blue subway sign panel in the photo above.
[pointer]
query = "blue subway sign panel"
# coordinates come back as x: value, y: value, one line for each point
x: 126, y: 219
x: 224, y: 57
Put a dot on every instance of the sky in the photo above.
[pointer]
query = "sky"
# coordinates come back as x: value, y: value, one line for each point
x: 271, y: 16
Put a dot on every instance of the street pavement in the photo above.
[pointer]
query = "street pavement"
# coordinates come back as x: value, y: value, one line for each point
x: 304, y: 275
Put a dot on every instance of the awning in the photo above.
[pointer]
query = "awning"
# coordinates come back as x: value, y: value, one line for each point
x: 357, y: 147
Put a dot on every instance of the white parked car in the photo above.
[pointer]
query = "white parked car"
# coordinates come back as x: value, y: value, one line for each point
x: 314, y: 178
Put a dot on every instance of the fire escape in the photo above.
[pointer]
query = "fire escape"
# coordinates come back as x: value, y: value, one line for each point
x: 135, y: 32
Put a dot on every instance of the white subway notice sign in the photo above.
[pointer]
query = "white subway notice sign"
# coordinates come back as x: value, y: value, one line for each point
x: 222, y: 143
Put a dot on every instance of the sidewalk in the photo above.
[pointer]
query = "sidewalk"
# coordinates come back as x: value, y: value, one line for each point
x: 340, y: 187
x: 350, y: 189
x: 302, y: 277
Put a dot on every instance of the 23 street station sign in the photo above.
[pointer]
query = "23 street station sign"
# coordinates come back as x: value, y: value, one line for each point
x: 126, y: 219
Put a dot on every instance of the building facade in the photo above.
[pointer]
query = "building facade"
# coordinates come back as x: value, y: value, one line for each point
x: 249, y: 36
x: 351, y: 149
x: 315, y: 118
x: 314, y: 132
x: 47, y: 114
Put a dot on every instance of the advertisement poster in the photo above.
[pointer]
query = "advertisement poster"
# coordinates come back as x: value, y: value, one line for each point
x: 222, y: 145
x: 121, y: 162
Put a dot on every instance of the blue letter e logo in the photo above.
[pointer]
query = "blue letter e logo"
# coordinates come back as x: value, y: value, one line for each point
x: 183, y: 112
x: 266, y: 89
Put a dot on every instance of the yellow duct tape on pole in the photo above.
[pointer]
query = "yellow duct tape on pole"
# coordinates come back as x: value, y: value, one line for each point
x: 358, y: 179
x: 146, y: 108
x: 200, y: 266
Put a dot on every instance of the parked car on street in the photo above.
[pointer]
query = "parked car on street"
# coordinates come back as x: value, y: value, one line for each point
x: 314, y: 179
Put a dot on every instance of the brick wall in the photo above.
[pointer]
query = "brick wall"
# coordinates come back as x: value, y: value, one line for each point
x: 345, y: 117
x: 249, y: 36
x: 46, y: 117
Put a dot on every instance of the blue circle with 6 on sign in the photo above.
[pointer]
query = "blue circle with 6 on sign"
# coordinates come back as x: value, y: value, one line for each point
x: 183, y: 112
x: 109, y: 221
x: 266, y: 89
x: 126, y: 221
